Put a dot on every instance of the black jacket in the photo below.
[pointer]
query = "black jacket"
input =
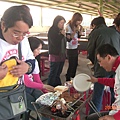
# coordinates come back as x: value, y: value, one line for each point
x: 101, y: 35
x: 56, y: 40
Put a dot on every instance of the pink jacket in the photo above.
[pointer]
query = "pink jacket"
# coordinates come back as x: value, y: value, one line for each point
x: 36, y: 83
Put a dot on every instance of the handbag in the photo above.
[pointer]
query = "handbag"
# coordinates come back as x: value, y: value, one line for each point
x: 13, y: 101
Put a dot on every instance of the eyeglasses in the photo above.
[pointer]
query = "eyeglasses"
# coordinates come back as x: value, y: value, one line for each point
x: 16, y: 35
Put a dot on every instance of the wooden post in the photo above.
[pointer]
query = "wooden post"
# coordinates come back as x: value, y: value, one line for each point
x: 101, y: 8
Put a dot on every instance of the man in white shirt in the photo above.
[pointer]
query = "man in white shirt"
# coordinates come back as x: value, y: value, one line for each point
x: 14, y: 27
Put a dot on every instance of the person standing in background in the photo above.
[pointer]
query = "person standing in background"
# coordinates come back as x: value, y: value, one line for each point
x: 99, y: 36
x: 57, y: 50
x: 116, y: 23
x: 72, y: 35
x: 94, y: 23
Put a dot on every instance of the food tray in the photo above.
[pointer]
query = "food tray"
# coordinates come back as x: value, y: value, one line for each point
x: 77, y: 105
x: 70, y: 114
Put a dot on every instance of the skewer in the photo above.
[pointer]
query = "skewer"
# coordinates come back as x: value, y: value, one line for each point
x: 94, y: 108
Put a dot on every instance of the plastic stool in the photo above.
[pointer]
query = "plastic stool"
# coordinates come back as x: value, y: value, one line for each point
x: 106, y: 101
x: 84, y: 52
x: 78, y: 116
x: 42, y: 63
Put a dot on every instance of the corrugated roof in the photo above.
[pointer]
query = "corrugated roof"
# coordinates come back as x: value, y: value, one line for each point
x: 110, y: 7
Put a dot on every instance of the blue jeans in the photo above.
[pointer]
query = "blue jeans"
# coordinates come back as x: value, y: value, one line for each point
x: 55, y: 71
x: 32, y: 95
x: 98, y: 94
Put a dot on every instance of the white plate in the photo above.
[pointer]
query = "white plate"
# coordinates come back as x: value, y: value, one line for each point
x: 80, y: 82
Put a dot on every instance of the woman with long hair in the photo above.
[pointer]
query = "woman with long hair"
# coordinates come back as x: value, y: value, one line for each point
x: 72, y: 35
x: 57, y: 49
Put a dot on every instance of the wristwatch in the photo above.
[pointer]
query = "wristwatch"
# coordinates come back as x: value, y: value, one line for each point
x: 30, y: 67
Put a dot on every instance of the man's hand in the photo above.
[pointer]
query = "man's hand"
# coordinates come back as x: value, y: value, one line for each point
x: 20, y: 69
x: 107, y: 117
x: 93, y: 80
x: 3, y: 71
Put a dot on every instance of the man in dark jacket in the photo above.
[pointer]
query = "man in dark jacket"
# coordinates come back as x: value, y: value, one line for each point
x: 101, y: 35
x: 116, y: 23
